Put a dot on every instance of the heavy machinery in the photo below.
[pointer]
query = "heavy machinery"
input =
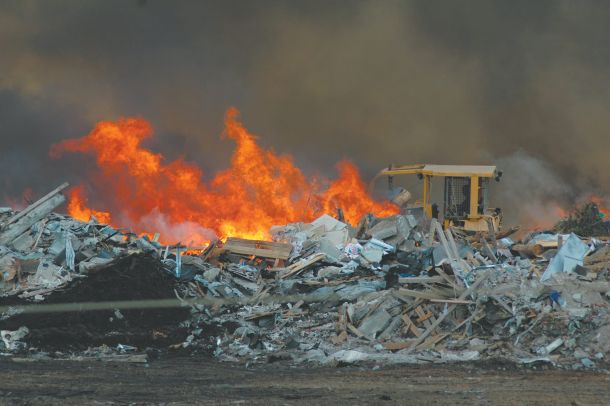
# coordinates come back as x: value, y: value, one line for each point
x: 466, y: 194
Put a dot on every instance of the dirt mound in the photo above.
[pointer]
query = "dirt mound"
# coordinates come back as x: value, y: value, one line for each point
x: 136, y: 277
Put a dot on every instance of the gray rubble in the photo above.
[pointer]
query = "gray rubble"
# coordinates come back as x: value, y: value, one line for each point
x: 391, y: 290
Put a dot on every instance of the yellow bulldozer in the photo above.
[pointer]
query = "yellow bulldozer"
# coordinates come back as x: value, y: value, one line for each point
x: 466, y: 194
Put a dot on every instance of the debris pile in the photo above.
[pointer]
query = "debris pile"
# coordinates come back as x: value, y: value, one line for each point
x: 587, y: 220
x: 401, y: 290
x: 42, y: 251
x: 395, y: 289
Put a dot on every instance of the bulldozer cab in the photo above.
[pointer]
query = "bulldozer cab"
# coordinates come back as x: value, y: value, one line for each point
x: 466, y: 194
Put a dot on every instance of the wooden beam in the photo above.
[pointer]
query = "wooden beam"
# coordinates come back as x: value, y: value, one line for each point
x: 420, y: 279
x: 454, y: 301
x: 33, y: 216
x: 302, y: 264
x: 36, y: 204
x: 257, y: 248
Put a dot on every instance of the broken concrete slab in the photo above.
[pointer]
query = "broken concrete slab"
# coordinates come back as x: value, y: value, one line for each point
x: 384, y: 229
x: 375, y: 323
x: 372, y: 253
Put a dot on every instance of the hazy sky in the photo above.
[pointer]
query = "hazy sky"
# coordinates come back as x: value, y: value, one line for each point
x: 523, y: 83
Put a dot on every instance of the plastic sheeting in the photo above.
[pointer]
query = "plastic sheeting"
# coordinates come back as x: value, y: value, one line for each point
x: 570, y: 255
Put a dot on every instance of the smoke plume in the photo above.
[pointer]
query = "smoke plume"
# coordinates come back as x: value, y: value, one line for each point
x: 376, y: 82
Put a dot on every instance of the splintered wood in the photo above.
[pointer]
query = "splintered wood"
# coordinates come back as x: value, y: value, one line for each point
x: 301, y: 265
x: 448, y: 311
x: 425, y: 310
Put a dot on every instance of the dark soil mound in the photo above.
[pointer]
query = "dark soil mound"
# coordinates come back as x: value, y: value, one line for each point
x: 136, y: 277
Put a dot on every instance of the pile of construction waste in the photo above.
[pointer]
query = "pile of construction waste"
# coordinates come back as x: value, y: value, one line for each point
x: 390, y: 290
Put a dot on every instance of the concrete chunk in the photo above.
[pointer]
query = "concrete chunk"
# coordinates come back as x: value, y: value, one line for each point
x: 375, y: 323
x: 384, y: 229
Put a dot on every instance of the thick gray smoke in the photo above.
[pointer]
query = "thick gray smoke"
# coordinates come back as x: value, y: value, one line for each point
x: 531, y: 191
x: 376, y: 82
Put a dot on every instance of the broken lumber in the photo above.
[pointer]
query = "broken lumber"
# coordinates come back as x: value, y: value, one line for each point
x: 35, y: 212
x: 302, y: 264
x: 420, y: 279
x: 529, y: 250
x: 258, y: 248
x: 37, y: 203
x: 451, y: 308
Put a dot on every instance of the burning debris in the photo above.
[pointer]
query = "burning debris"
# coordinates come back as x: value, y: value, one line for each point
x: 393, y: 289
x: 141, y: 190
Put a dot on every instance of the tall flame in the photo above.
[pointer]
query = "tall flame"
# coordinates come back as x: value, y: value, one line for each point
x: 260, y: 188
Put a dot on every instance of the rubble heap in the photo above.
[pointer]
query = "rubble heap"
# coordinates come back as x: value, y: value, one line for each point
x: 396, y: 289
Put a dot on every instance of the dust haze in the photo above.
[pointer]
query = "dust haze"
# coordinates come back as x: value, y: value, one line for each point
x: 521, y: 84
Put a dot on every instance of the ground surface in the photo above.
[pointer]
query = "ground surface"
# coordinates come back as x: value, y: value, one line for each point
x: 204, y: 381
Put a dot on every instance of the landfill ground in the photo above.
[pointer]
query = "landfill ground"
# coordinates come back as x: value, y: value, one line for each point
x: 180, y: 380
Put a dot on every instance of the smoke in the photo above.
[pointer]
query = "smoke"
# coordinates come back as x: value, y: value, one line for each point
x: 375, y: 82
x: 172, y: 231
x: 529, y: 192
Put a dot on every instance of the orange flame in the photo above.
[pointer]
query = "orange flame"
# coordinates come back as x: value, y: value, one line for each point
x: 259, y: 190
x: 78, y: 209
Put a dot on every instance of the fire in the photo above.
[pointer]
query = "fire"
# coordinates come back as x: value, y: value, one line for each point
x: 556, y: 211
x: 78, y: 210
x: 260, y: 188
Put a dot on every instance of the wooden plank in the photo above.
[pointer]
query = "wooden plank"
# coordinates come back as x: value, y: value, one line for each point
x: 451, y: 308
x: 258, y: 315
x: 489, y: 250
x: 356, y: 332
x: 452, y: 244
x: 206, y: 253
x: 448, y: 279
x: 36, y: 204
x: 456, y: 253
x: 396, y: 345
x: 531, y: 250
x: 409, y: 326
x: 455, y: 301
x: 302, y: 264
x: 258, y: 248
x: 549, y: 243
x: 455, y: 264
x: 440, y: 337
x: 33, y: 216
x: 420, y: 279
x: 424, y: 317
x: 341, y: 319
x: 431, y: 341
x: 431, y: 233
